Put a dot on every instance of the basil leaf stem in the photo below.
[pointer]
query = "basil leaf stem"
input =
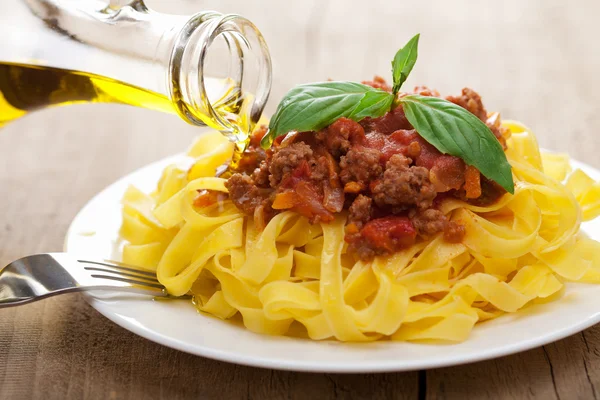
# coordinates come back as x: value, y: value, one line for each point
x: 403, y: 63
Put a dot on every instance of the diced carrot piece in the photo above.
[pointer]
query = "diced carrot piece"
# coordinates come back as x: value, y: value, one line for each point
x: 353, y: 187
x: 284, y: 200
x: 472, y: 182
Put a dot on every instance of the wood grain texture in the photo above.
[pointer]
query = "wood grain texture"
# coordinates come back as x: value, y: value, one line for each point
x: 534, y: 60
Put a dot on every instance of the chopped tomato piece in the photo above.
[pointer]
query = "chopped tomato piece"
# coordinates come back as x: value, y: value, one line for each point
x: 309, y: 203
x: 390, y: 233
x: 448, y: 172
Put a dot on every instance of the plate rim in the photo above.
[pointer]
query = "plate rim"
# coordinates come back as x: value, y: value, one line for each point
x: 366, y: 367
x: 381, y: 366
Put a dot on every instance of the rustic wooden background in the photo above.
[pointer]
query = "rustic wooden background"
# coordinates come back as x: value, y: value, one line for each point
x: 535, y: 60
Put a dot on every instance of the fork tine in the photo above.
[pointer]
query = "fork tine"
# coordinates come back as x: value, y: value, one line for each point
x: 123, y: 274
x: 129, y: 281
x: 121, y: 266
x: 39, y: 276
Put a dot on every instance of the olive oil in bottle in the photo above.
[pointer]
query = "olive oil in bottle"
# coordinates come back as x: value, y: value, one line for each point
x: 85, y: 51
x: 27, y: 88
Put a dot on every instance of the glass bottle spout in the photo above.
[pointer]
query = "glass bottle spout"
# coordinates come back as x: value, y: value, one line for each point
x: 211, y: 69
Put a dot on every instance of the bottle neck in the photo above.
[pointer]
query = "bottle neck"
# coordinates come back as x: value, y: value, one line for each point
x: 220, y: 73
x: 215, y: 68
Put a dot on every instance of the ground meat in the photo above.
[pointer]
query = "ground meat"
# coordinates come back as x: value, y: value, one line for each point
x: 254, y: 154
x: 471, y: 101
x: 320, y: 168
x: 260, y: 176
x: 380, y: 170
x: 244, y: 193
x: 403, y: 186
x: 378, y: 83
x: 361, y: 248
x: 251, y: 160
x: 454, y: 232
x: 339, y: 136
x: 286, y: 159
x: 500, y: 134
x: 425, y: 91
x: 495, y: 124
x: 361, y: 164
x: 383, y: 236
x: 360, y: 210
x: 413, y: 150
x: 429, y: 222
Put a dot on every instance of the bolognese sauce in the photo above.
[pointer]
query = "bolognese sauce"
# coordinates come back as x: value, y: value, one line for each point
x: 387, y: 177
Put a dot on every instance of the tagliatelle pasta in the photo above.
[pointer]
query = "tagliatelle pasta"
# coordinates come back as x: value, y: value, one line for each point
x: 516, y: 251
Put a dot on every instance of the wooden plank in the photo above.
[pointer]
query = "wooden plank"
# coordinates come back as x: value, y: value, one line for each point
x: 522, y: 376
x: 535, y: 61
x: 61, y: 348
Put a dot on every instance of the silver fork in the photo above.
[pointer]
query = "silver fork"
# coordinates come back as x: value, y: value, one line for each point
x: 39, y: 276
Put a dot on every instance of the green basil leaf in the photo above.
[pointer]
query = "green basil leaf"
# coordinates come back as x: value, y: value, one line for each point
x: 313, y: 106
x: 403, y: 63
x: 453, y: 130
x: 371, y: 105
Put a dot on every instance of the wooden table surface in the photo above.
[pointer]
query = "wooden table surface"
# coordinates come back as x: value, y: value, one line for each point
x: 535, y: 60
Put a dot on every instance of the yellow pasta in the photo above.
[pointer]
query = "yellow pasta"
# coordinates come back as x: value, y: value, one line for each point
x: 522, y: 248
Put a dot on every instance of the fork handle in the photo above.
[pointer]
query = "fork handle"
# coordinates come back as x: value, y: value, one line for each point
x: 30, y: 279
x: 10, y: 299
x: 13, y: 299
x: 40, y: 276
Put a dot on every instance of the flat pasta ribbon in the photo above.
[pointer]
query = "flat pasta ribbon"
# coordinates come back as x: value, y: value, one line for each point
x: 517, y: 251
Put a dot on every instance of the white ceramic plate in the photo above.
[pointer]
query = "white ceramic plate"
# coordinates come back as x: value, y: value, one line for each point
x: 176, y: 324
